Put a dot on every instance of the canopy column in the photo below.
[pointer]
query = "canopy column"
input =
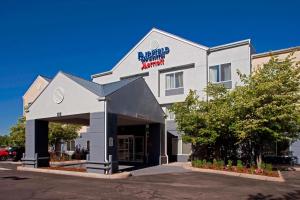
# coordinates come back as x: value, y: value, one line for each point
x: 36, y: 151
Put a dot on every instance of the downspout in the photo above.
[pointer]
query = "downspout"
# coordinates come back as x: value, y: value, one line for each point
x: 207, y: 52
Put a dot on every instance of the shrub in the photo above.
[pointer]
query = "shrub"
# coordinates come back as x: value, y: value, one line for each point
x: 239, y: 165
x: 252, y: 169
x: 268, y: 167
x: 220, y: 164
x: 229, y: 164
x: 263, y: 166
x: 209, y: 164
x: 215, y: 162
x: 194, y: 163
x: 204, y: 162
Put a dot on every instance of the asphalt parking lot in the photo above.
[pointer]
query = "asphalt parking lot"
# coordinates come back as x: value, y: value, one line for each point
x: 185, y: 185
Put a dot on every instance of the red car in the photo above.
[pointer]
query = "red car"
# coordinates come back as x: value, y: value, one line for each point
x: 3, y: 154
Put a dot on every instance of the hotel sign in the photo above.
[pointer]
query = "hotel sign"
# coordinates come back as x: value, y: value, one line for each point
x: 153, y: 58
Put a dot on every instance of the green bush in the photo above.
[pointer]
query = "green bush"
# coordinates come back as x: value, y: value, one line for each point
x: 199, y: 163
x: 215, y: 162
x: 263, y: 166
x: 268, y: 167
x: 252, y: 169
x: 239, y: 165
x: 194, y: 163
x: 208, y: 164
x: 229, y: 164
x: 220, y: 164
x: 204, y: 162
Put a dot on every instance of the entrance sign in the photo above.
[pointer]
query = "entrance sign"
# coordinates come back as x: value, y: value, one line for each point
x: 153, y: 58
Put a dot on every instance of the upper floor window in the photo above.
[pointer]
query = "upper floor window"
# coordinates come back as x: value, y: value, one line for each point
x: 220, y: 73
x: 174, y: 80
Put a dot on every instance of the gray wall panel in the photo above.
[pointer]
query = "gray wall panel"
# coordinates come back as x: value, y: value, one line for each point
x: 136, y: 100
x: 296, y: 150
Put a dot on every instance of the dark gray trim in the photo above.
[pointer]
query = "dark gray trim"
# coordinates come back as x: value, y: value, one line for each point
x: 101, y: 74
x: 135, y: 75
x: 175, y: 91
x: 230, y: 45
x: 181, y: 67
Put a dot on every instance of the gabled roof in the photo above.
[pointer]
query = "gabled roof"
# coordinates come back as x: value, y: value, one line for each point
x: 101, y: 90
x: 97, y: 89
x: 46, y: 78
x: 39, y: 76
x: 151, y: 31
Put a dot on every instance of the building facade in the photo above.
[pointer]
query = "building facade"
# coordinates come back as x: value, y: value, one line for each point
x: 172, y: 66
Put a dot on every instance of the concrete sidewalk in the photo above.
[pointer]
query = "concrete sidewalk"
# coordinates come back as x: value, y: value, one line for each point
x: 160, y: 169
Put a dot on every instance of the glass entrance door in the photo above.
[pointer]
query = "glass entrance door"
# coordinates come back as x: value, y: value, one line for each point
x: 130, y: 148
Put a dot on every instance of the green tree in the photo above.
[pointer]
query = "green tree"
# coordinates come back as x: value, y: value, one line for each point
x: 17, y: 133
x: 4, y: 140
x: 57, y: 131
x: 264, y: 109
x: 207, y: 124
x: 267, y: 105
x: 64, y: 132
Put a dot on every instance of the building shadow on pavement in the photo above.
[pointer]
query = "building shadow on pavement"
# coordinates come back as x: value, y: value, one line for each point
x: 288, y: 196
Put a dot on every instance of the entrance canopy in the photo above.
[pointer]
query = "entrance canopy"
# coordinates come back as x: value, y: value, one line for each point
x: 69, y: 97
x: 102, y: 107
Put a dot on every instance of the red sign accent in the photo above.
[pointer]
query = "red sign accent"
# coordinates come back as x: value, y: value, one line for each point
x: 147, y: 65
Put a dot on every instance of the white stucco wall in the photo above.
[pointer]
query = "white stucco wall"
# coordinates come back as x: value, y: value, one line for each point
x: 181, y: 53
x: 239, y: 57
x: 77, y: 100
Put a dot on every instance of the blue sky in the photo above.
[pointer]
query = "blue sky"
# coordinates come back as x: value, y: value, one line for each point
x: 83, y: 37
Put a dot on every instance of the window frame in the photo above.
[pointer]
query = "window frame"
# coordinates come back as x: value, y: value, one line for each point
x: 174, y: 76
x: 219, y: 68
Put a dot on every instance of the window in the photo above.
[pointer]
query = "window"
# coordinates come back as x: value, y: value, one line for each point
x: 214, y: 74
x: 226, y: 72
x: 220, y: 73
x: 174, y: 80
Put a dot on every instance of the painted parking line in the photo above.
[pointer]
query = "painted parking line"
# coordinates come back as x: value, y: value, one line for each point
x: 4, y: 169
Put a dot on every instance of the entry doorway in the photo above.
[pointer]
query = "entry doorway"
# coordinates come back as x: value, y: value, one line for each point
x: 131, y: 148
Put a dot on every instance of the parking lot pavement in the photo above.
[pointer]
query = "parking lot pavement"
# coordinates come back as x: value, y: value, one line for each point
x: 190, y: 185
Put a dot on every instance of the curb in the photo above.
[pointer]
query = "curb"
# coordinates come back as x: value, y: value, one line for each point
x: 297, y: 169
x: 243, y: 175
x: 70, y: 162
x: 122, y: 175
x: 11, y: 162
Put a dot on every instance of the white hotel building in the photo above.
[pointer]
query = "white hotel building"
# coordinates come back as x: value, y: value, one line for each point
x: 187, y: 66
x: 124, y: 113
